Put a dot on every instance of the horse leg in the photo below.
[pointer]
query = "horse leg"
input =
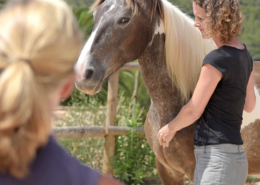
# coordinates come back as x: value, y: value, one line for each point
x: 167, y: 178
x: 251, y: 138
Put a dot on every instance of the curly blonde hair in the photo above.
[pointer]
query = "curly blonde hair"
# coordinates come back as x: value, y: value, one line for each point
x: 39, y: 45
x: 223, y: 18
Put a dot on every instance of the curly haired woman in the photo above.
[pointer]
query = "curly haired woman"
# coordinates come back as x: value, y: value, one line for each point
x: 224, y: 89
x: 39, y: 44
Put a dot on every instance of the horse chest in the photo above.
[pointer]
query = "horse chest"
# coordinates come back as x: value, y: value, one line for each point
x: 170, y: 157
x: 255, y: 114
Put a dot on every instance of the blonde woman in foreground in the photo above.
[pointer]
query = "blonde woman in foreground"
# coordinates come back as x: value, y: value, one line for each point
x: 39, y: 44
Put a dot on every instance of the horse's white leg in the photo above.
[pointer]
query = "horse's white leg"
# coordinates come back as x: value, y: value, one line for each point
x: 251, y: 138
x: 251, y: 131
x: 255, y: 114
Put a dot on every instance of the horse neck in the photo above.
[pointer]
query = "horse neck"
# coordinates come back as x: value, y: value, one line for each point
x: 164, y: 95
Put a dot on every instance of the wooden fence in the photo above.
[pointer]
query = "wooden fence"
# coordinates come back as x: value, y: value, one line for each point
x: 110, y: 130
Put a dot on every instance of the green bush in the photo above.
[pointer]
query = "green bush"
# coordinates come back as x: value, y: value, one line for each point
x: 85, y: 19
x: 134, y: 160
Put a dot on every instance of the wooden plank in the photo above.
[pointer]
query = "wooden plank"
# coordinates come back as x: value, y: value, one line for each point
x: 66, y: 108
x: 94, y: 131
x: 79, y: 132
x: 119, y: 130
x: 109, y: 150
x: 131, y: 66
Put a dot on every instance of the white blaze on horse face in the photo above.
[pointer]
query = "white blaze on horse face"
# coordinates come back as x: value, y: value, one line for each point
x: 82, y: 61
x: 255, y: 114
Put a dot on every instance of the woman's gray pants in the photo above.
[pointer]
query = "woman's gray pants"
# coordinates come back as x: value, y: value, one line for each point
x: 222, y: 164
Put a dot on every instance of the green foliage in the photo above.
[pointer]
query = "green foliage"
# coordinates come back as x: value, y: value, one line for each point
x: 251, y: 29
x: 252, y: 3
x: 2, y: 2
x: 78, y: 98
x: 134, y: 160
x: 79, y: 3
x: 184, y: 5
x: 85, y: 19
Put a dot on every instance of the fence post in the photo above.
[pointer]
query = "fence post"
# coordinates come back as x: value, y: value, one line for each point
x: 110, y: 121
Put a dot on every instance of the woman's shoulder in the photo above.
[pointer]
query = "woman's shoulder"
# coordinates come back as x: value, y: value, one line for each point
x: 225, y: 53
x: 216, y: 55
x: 55, y: 161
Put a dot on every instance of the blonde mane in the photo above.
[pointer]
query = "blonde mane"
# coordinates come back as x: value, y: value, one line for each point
x: 185, y: 49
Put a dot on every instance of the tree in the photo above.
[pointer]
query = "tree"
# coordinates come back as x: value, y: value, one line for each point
x: 251, y: 24
x: 2, y: 2
x: 80, y: 3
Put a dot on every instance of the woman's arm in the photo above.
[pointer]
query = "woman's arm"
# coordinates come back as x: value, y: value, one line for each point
x: 208, y: 81
x: 250, y: 95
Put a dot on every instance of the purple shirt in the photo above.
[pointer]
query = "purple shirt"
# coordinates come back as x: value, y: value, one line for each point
x: 54, y: 166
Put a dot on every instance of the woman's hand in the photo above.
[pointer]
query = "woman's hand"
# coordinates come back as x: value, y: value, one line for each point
x: 165, y: 135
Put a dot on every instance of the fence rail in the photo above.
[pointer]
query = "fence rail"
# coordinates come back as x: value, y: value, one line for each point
x: 94, y: 131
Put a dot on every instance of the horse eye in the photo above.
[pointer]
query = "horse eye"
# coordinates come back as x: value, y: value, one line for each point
x: 124, y: 20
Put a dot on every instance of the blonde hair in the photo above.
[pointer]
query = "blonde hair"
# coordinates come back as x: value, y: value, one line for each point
x: 39, y: 45
x: 223, y: 19
x: 184, y: 49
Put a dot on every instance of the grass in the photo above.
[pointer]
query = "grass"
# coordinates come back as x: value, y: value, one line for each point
x: 88, y: 151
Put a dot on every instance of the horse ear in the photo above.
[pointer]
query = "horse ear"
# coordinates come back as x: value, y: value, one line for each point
x: 158, y: 8
x: 96, y: 4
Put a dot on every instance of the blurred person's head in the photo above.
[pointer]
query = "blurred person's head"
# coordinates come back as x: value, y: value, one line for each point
x: 39, y: 45
x: 218, y: 18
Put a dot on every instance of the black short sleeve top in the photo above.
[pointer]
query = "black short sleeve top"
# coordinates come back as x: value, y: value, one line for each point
x: 222, y: 117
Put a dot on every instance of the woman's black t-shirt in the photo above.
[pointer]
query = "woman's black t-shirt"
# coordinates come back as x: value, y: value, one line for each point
x: 221, y: 121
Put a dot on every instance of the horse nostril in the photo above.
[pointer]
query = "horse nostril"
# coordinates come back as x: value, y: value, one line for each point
x: 89, y: 74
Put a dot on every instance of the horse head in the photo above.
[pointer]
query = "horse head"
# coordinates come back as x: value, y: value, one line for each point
x: 122, y: 30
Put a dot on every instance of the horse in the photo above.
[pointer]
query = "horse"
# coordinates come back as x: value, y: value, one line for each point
x: 170, y: 51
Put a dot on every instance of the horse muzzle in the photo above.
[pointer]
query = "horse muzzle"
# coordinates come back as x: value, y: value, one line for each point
x: 89, y: 76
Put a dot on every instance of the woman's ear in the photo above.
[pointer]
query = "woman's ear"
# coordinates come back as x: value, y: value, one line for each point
x: 67, y: 87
